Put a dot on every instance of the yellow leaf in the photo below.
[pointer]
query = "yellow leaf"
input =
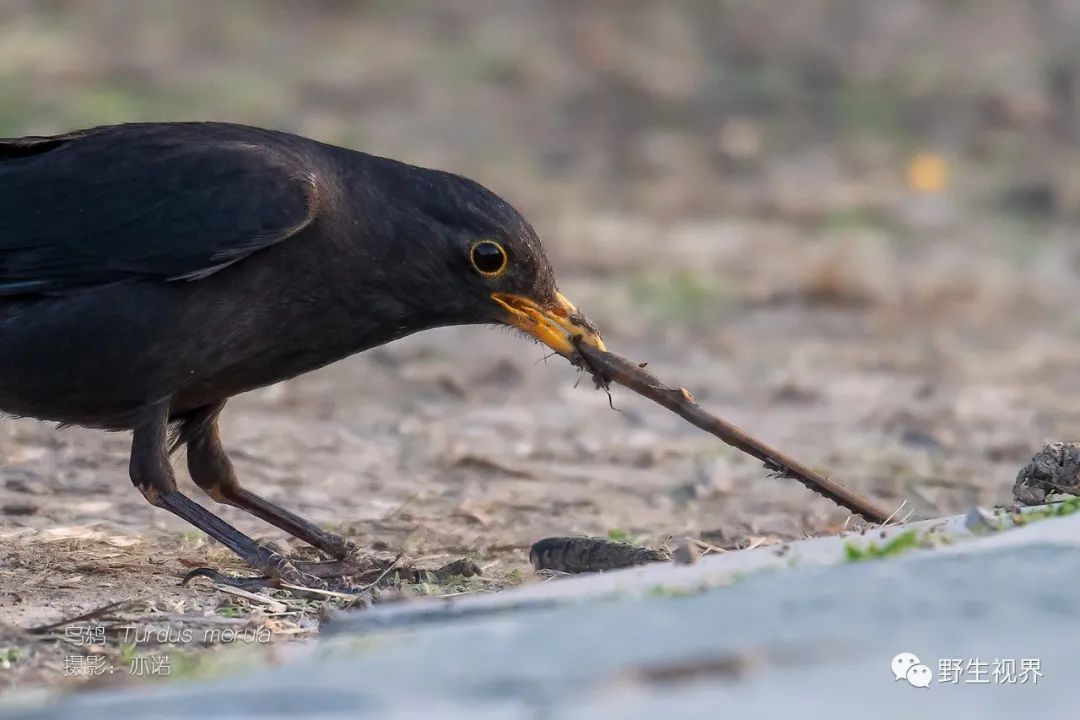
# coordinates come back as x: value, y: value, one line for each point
x: 927, y: 172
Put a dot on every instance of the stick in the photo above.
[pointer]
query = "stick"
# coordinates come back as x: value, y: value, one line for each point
x: 605, y: 367
x: 90, y: 615
x: 271, y: 604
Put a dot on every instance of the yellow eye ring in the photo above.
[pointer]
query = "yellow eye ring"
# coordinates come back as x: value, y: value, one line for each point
x: 488, y: 258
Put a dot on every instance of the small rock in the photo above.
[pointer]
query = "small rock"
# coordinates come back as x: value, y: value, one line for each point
x: 463, y: 568
x: 979, y: 521
x: 920, y: 439
x: 790, y: 391
x: 23, y: 485
x: 17, y: 507
x: 686, y: 552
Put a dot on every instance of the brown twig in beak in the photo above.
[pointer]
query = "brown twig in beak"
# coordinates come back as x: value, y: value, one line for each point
x: 606, y: 367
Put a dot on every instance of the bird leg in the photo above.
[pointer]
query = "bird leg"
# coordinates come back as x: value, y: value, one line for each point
x: 212, y: 471
x: 152, y: 474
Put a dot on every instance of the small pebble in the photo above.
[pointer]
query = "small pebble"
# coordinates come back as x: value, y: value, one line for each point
x: 686, y: 552
x: 18, y: 508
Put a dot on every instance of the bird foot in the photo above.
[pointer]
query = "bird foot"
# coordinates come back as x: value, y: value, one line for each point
x: 358, y: 565
x: 316, y: 579
x: 344, y: 550
x: 298, y: 583
x: 280, y: 568
x: 278, y: 571
x: 354, y: 577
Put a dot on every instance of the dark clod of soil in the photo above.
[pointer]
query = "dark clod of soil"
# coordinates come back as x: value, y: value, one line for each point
x: 460, y: 568
x: 591, y: 554
x: 1054, y: 470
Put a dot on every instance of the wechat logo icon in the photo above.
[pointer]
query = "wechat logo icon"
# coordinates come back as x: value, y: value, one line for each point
x: 906, y: 666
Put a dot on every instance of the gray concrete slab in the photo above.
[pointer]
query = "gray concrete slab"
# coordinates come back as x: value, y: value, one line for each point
x: 755, y: 634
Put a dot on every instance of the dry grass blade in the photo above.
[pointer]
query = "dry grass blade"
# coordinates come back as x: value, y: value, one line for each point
x: 392, y: 566
x: 318, y: 593
x: 271, y: 604
x: 896, y: 513
x: 92, y: 614
x: 606, y: 367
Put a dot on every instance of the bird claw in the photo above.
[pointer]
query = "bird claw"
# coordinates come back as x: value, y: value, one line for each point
x: 299, y: 576
x: 278, y: 570
x: 298, y: 583
x: 249, y: 583
x: 316, y: 579
x: 357, y: 565
x: 346, y: 551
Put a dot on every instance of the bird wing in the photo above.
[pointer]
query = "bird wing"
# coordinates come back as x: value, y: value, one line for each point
x: 85, y: 210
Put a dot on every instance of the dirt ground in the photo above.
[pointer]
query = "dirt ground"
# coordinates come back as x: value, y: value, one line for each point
x: 925, y: 371
x: 847, y: 227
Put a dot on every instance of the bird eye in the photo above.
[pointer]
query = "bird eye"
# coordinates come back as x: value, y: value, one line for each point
x: 488, y: 257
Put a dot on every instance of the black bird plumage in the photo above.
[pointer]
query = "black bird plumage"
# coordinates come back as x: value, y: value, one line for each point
x: 149, y: 272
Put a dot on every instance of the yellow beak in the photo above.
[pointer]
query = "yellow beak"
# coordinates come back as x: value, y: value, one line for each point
x: 559, y: 326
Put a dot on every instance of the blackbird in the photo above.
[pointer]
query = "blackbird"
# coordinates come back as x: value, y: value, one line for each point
x: 151, y: 271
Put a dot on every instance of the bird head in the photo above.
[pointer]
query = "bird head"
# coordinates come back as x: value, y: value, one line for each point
x: 481, y: 262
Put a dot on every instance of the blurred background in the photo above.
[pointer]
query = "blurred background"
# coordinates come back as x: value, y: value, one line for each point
x: 668, y: 109
x: 848, y: 226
